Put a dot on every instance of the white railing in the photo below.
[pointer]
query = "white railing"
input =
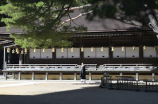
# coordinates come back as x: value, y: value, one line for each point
x: 127, y: 67
x: 48, y: 67
x: 76, y: 67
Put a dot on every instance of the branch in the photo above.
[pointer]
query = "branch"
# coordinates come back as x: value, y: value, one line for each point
x: 75, y: 8
x: 79, y: 7
x: 71, y: 19
x: 125, y: 21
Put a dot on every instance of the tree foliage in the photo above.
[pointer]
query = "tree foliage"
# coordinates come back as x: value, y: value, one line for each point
x: 41, y: 21
x: 128, y: 10
x: 2, y: 2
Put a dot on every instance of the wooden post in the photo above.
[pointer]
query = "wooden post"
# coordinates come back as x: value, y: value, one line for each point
x: 110, y: 52
x: 137, y: 77
x: 20, y: 58
x: 33, y: 75
x: 5, y: 75
x: 19, y: 76
x: 120, y: 74
x: 90, y: 76
x: 46, y: 75
x: 61, y: 76
x: 75, y: 76
x: 4, y: 61
x: 153, y: 76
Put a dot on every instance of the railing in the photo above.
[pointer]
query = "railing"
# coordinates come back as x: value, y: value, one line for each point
x: 127, y: 67
x: 74, y: 67
x: 40, y: 67
x: 129, y: 85
x: 151, y: 86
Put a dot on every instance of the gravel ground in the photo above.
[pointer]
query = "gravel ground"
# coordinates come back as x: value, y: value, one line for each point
x: 8, y: 83
x: 72, y: 93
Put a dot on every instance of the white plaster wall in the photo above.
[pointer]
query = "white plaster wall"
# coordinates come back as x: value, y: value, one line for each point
x: 88, y: 53
x: 75, y: 54
x: 102, y: 54
x: 130, y: 53
x: 149, y: 52
x: 47, y: 54
x: 118, y: 53
x: 35, y: 55
x: 60, y: 54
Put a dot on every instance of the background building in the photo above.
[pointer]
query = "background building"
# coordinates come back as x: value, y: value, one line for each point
x: 106, y: 41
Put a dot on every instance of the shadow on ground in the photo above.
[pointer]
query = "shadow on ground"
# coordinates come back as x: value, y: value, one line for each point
x: 86, y: 95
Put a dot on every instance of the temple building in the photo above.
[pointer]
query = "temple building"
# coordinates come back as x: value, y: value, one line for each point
x: 108, y: 46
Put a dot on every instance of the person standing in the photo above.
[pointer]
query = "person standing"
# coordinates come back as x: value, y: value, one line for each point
x: 83, y: 73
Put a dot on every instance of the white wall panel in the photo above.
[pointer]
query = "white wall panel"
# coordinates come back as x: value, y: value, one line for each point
x: 88, y: 53
x: 130, y: 53
x: 149, y: 52
x: 35, y: 55
x: 60, y: 54
x: 102, y: 54
x: 75, y: 54
x: 47, y: 54
x: 118, y: 53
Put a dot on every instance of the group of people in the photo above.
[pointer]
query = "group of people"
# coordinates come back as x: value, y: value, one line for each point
x: 83, y: 73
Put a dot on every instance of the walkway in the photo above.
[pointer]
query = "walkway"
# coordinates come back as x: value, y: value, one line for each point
x: 13, y: 83
x: 69, y: 92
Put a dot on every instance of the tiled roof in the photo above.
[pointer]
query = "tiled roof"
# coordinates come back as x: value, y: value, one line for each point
x: 3, y: 30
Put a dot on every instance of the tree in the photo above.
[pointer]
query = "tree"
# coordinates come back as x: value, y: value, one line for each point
x: 40, y: 20
x: 2, y: 2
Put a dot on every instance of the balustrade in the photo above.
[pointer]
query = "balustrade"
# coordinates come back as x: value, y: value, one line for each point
x: 76, y: 67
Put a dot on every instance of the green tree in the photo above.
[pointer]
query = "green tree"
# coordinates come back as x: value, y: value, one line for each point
x: 2, y: 2
x: 126, y: 10
x: 41, y: 21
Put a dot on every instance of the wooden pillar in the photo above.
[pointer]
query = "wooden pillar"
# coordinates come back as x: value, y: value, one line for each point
x: 24, y: 58
x: 20, y: 58
x: 46, y: 76
x: 137, y: 77
x: 153, y: 76
x: 75, y: 76
x: 5, y: 75
x: 9, y: 57
x: 90, y: 76
x: 61, y: 77
x: 110, y: 52
x: 27, y: 57
x: 4, y: 61
x: 140, y: 54
x: 33, y: 76
x: 110, y: 55
x: 81, y: 57
x: 19, y: 76
x: 141, y: 44
x: 81, y: 53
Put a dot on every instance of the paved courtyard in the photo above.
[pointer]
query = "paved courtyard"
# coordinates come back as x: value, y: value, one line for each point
x: 69, y: 92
